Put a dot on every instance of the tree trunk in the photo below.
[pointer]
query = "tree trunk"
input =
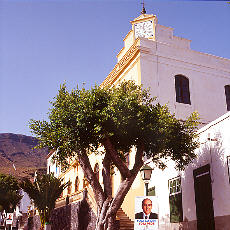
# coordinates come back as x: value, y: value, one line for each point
x: 112, y: 223
x: 108, y: 206
x: 47, y: 226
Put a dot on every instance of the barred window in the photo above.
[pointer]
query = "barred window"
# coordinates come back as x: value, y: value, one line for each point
x: 152, y: 191
x: 175, y: 200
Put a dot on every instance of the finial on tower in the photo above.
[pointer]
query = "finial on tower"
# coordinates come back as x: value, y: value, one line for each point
x: 143, y: 8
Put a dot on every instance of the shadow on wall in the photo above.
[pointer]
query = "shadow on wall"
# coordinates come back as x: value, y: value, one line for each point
x: 211, y: 152
x: 75, y: 216
x: 84, y: 216
x: 170, y: 226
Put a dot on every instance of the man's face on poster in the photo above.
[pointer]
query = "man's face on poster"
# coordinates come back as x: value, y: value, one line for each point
x: 147, y: 206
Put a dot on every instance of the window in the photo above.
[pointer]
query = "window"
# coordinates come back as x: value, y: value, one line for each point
x: 182, y: 89
x: 69, y: 188
x: 152, y: 191
x: 85, y: 183
x: 227, y: 94
x: 175, y: 200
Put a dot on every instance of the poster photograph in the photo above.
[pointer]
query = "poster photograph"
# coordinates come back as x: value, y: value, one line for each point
x: 146, y: 213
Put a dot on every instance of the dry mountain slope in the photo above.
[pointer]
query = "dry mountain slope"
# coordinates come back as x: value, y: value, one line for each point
x: 18, y: 149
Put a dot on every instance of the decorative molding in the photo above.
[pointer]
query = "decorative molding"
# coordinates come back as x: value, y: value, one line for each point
x: 144, y: 50
x: 144, y: 17
x: 122, y: 64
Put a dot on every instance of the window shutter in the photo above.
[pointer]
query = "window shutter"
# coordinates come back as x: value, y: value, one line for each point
x: 227, y: 94
x: 178, y: 89
x: 182, y: 89
x: 185, y: 90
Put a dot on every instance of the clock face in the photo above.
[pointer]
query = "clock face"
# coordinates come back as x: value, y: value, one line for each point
x: 144, y: 29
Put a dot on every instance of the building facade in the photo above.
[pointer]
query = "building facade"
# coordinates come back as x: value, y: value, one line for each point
x: 185, y: 80
x: 197, y: 198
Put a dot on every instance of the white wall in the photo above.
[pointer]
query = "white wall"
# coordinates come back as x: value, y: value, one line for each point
x: 24, y: 203
x: 207, y: 76
x: 163, y: 57
x: 213, y: 152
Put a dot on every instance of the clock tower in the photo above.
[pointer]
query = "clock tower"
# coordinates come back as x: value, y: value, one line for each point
x: 144, y: 26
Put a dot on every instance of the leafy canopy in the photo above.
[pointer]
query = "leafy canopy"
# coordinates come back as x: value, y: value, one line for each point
x: 82, y: 119
x: 9, y: 192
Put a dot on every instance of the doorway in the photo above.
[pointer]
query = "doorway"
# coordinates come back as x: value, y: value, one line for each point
x: 203, y: 198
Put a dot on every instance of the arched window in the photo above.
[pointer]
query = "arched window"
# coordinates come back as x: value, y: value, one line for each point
x: 96, y: 170
x: 69, y: 188
x: 227, y: 94
x: 77, y: 184
x: 85, y: 183
x: 182, y: 89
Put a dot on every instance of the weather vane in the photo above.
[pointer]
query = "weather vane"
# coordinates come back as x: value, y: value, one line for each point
x: 143, y: 8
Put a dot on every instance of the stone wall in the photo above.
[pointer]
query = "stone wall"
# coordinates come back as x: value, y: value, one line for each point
x: 75, y: 216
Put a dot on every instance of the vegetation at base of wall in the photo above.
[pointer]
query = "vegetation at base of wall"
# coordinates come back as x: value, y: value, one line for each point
x: 117, y: 119
x: 44, y: 192
x: 9, y: 192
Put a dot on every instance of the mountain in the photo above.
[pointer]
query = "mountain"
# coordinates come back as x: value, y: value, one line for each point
x: 17, y: 152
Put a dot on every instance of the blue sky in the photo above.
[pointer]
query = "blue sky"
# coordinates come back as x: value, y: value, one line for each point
x: 46, y: 42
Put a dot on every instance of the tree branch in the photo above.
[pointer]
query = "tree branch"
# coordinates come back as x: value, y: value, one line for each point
x: 120, y: 196
x: 107, y: 176
x: 91, y: 177
x: 138, y: 159
x: 116, y: 159
x: 127, y: 183
x: 104, y: 209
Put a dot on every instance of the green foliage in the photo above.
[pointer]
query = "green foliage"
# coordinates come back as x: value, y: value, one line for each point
x: 9, y: 192
x: 44, y: 192
x: 128, y: 115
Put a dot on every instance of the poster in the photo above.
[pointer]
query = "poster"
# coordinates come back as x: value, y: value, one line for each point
x: 9, y: 218
x: 146, y: 213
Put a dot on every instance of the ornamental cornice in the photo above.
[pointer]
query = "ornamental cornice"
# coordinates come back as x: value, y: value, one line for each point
x: 122, y: 64
x: 144, y: 50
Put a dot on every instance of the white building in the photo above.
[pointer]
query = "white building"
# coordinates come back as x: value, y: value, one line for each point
x: 185, y: 79
x: 200, y: 194
x: 25, y: 202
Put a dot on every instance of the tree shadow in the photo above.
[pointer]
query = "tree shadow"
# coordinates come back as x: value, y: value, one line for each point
x: 212, y: 151
x: 84, y: 215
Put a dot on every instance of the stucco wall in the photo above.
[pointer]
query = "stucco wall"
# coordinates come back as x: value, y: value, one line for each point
x: 207, y: 76
x: 214, y: 148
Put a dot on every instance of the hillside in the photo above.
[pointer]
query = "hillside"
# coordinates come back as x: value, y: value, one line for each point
x: 17, y: 150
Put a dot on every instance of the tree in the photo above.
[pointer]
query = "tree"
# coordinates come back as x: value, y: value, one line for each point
x: 44, y: 192
x: 118, y: 119
x: 9, y: 193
